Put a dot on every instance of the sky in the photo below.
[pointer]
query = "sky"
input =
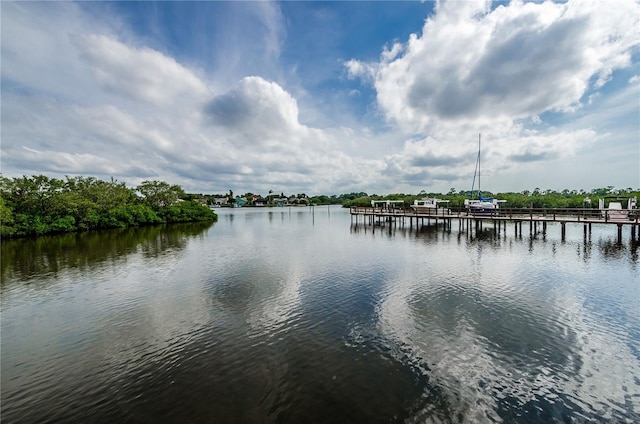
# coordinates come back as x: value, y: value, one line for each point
x: 324, y: 97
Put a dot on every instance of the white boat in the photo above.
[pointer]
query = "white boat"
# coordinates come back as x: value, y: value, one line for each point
x: 481, y: 205
x: 429, y: 205
x: 612, y: 208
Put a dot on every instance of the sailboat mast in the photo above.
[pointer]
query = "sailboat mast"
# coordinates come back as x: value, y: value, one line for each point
x: 476, y: 173
x: 479, y: 192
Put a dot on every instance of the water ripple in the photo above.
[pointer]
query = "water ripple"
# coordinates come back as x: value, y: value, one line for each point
x: 289, y: 316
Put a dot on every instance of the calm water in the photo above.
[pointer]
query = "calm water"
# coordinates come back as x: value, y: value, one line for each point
x: 300, y: 316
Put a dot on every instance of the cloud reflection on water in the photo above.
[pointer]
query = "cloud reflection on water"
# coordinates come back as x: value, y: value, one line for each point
x: 511, y: 335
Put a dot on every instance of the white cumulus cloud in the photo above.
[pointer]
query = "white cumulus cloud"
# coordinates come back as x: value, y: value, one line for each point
x: 474, y: 62
x: 141, y: 73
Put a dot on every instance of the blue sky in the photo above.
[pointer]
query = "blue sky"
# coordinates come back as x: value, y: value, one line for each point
x: 324, y: 97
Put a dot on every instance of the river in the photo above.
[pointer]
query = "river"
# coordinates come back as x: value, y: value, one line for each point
x: 301, y: 315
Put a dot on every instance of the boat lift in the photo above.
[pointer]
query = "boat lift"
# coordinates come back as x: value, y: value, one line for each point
x: 387, y: 204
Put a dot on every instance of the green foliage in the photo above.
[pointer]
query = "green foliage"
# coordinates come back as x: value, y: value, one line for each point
x: 143, y: 214
x: 323, y: 200
x: 63, y: 224
x: 187, y: 211
x: 104, y: 194
x: 41, y: 205
x: 6, y: 219
x: 362, y: 201
x: 526, y: 199
x: 351, y: 196
x: 158, y: 194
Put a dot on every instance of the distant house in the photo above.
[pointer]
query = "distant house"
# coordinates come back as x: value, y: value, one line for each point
x: 293, y: 200
x: 219, y: 201
x: 257, y: 200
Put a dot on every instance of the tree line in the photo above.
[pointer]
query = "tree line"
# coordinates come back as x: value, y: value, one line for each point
x: 36, y: 205
x: 268, y: 199
x: 536, y: 198
x: 39, y: 205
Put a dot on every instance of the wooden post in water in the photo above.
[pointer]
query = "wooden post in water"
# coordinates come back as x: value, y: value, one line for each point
x: 530, y: 226
x: 619, y: 233
x: 563, y: 230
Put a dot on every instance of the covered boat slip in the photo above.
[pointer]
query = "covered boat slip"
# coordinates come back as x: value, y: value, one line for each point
x: 616, y: 207
x: 397, y: 213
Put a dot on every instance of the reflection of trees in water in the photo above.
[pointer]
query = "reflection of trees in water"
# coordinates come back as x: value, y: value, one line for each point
x: 25, y: 258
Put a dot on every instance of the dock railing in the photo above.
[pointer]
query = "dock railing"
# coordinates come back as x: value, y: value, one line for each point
x: 568, y: 214
x: 402, y: 211
x: 511, y: 214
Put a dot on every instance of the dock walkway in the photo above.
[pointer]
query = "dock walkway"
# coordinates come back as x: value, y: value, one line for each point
x: 534, y: 216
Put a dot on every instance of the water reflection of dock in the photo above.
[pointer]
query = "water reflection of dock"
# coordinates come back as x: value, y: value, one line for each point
x: 537, y: 218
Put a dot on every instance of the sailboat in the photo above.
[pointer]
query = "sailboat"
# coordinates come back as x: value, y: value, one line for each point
x: 481, y: 205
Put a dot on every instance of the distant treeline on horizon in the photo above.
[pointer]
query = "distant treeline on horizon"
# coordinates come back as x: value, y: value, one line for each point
x: 40, y: 205
x: 535, y: 198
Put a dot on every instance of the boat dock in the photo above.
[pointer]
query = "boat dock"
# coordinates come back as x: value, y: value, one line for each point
x: 537, y: 218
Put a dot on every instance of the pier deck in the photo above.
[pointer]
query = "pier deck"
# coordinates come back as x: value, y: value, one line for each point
x: 533, y: 216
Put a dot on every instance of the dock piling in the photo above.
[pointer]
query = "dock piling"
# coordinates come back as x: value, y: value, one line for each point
x: 467, y: 222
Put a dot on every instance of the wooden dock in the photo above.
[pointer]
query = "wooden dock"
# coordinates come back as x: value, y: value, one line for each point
x: 536, y: 217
